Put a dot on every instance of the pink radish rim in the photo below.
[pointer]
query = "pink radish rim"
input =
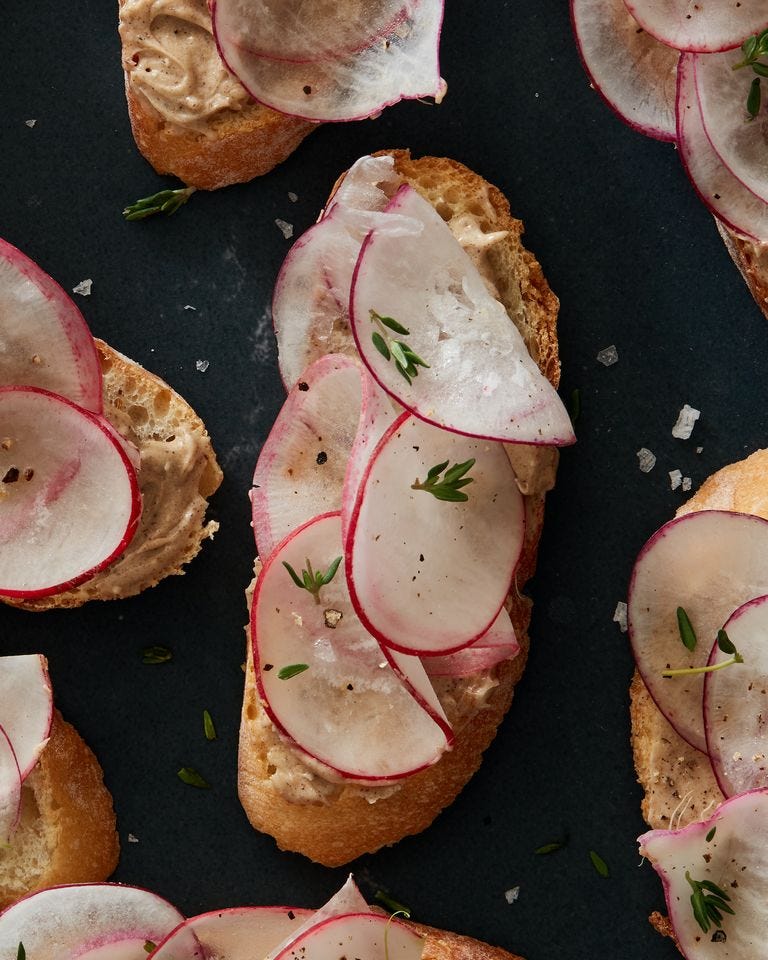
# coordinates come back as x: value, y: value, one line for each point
x: 690, y: 49
x: 339, y: 918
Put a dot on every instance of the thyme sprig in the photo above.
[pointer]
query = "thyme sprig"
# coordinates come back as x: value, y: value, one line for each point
x: 724, y: 643
x: 292, y: 670
x: 166, y: 201
x: 709, y: 903
x: 312, y: 580
x: 407, y: 362
x: 752, y: 49
x: 449, y: 488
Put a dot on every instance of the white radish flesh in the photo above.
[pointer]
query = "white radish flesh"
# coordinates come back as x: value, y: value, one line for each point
x: 735, y: 859
x: 369, y: 184
x: 45, y: 342
x: 498, y: 644
x: 70, y: 496
x: 369, y: 936
x: 735, y: 698
x: 481, y: 380
x: 700, y: 27
x: 429, y: 576
x: 10, y: 790
x: 632, y: 71
x: 708, y: 563
x: 348, y: 709
x: 70, y: 921
x: 401, y: 64
x: 26, y: 707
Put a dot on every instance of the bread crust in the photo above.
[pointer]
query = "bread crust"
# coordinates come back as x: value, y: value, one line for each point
x: 444, y: 945
x: 68, y: 831
x: 349, y: 825
x: 752, y: 260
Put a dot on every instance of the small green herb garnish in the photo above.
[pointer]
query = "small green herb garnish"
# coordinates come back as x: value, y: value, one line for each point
x: 599, y: 864
x: 292, y: 670
x: 449, y: 488
x: 711, y: 835
x: 550, y: 847
x: 208, y: 727
x: 407, y: 362
x: 397, y: 913
x: 725, y: 644
x: 156, y: 655
x: 687, y: 634
x: 752, y: 49
x: 149, y: 946
x: 166, y: 201
x: 192, y: 778
x: 575, y: 410
x: 21, y: 953
x: 312, y: 580
x: 392, y: 905
x: 708, y: 902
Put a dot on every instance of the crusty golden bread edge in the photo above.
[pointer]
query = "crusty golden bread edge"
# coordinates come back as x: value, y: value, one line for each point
x: 338, y: 832
x: 445, y: 945
x: 752, y: 260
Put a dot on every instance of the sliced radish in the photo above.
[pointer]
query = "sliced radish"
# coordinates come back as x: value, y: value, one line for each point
x: 428, y: 576
x: 367, y: 935
x: 633, y: 72
x: 728, y: 199
x: 70, y: 496
x: 499, y: 643
x: 349, y: 709
x: 729, y: 850
x: 369, y: 184
x: 708, y: 563
x: 98, y: 920
x: 26, y: 707
x: 735, y: 711
x: 700, y: 27
x: 239, y: 933
x: 481, y: 380
x: 401, y: 64
x: 10, y: 789
x: 45, y: 342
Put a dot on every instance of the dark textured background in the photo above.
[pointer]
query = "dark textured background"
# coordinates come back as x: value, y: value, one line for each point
x: 636, y: 262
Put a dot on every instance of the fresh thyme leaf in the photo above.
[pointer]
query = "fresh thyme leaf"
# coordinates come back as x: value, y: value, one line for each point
x: 753, y: 98
x: 208, y: 727
x: 550, y: 848
x: 751, y: 50
x: 399, y: 354
x: 725, y: 643
x: 192, y: 778
x: 381, y: 345
x: 292, y: 670
x: 166, y: 201
x: 407, y: 361
x: 687, y: 634
x: 330, y: 573
x: 708, y: 902
x: 710, y: 836
x: 599, y: 864
x: 156, y: 655
x: 575, y: 410
x: 391, y: 904
x: 449, y: 488
x: 312, y: 580
x: 21, y: 953
x: 149, y: 946
x: 437, y: 469
x: 394, y: 325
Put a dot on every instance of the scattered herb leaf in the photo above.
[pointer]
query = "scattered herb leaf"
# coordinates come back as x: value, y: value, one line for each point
x: 575, y: 410
x: 208, y: 727
x: 21, y: 953
x: 725, y: 643
x: 751, y: 50
x: 407, y: 362
x: 293, y: 670
x: 709, y: 903
x: 711, y: 835
x: 397, y: 913
x: 156, y: 655
x: 687, y: 633
x: 599, y: 864
x: 149, y: 946
x: 166, y: 201
x: 391, y: 904
x: 192, y: 778
x: 312, y: 580
x: 753, y: 98
x: 449, y: 488
x: 550, y: 847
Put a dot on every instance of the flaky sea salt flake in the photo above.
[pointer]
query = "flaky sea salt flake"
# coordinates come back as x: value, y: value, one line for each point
x: 30, y: 123
x: 685, y: 421
x: 83, y: 288
x: 675, y: 478
x: 202, y: 365
x: 188, y: 306
x: 132, y: 839
x: 686, y: 484
x: 293, y: 197
x: 620, y: 616
x: 608, y: 356
x: 646, y: 460
x: 285, y: 228
x: 512, y: 894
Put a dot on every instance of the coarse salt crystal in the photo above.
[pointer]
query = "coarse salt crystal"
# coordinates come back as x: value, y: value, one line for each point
x: 188, y: 306
x: 30, y: 123
x: 686, y: 484
x: 512, y: 894
x: 608, y: 356
x: 675, y: 478
x: 620, y: 616
x: 202, y: 365
x: 685, y: 421
x: 293, y: 197
x: 646, y: 460
x: 285, y: 228
x: 83, y: 288
x: 699, y: 449
x: 132, y: 839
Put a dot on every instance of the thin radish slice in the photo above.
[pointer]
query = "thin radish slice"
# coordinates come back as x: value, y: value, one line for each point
x: 481, y: 380
x: 708, y: 563
x: 295, y: 32
x: 700, y: 27
x: 632, y: 72
x: 401, y: 64
x: 735, y: 714
x: 729, y: 850
x: 10, y: 790
x: 348, y: 708
x: 738, y: 141
x: 367, y: 935
x: 239, y: 933
x: 428, y: 576
x: 369, y: 184
x: 71, y: 500
x: 728, y: 199
x: 98, y: 920
x: 45, y: 340
x: 498, y: 644
x: 26, y: 707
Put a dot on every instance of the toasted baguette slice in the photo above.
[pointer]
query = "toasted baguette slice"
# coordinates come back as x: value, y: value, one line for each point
x: 178, y: 473
x: 344, y: 823
x: 232, y: 144
x: 67, y: 830
x: 444, y: 945
x: 677, y: 779
x: 752, y: 260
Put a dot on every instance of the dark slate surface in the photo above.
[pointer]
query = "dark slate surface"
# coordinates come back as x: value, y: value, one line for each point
x: 637, y: 263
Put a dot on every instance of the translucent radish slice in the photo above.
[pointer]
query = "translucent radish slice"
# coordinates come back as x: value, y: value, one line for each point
x: 240, y: 933
x: 45, y: 341
x: 71, y: 500
x: 367, y: 935
x: 428, y: 576
x: 26, y: 707
x: 735, y: 714
x: 349, y: 709
x: 498, y: 644
x: 700, y: 27
x: 402, y: 64
x: 739, y: 142
x: 728, y: 199
x: 325, y: 30
x: 481, y: 380
x: 10, y: 790
x: 735, y: 859
x: 98, y: 920
x: 708, y: 563
x: 369, y: 184
x: 632, y: 72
